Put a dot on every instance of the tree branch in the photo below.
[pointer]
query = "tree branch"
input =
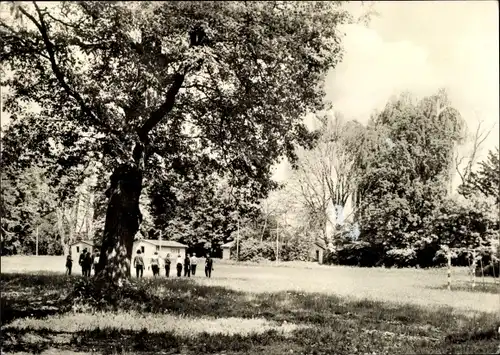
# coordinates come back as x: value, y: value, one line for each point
x: 167, y: 106
x: 50, y: 48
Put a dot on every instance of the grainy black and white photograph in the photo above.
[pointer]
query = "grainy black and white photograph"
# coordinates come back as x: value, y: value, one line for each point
x: 250, y: 177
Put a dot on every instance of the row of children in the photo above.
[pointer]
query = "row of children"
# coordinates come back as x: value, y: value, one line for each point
x: 87, y: 261
x: 189, y: 263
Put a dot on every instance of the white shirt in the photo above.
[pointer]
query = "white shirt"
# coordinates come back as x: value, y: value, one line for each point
x: 179, y: 260
x: 155, y: 260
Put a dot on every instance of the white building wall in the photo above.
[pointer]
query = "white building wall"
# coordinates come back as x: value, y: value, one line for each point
x: 226, y: 253
x: 148, y: 250
x: 77, y: 249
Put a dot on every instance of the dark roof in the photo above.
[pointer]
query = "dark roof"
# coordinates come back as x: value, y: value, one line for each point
x: 164, y: 243
x: 320, y: 243
x: 227, y: 245
x: 88, y: 242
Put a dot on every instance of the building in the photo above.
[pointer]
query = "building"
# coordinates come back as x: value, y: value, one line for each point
x: 317, y: 251
x: 226, y: 250
x: 77, y: 248
x: 164, y: 247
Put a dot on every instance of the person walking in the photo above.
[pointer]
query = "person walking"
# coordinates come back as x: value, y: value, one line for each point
x: 95, y: 262
x: 187, y: 267
x: 87, y: 261
x: 69, y: 264
x: 139, y: 264
x: 155, y: 264
x: 209, y: 266
x: 194, y: 261
x: 81, y: 261
x: 179, y: 265
x: 167, y: 265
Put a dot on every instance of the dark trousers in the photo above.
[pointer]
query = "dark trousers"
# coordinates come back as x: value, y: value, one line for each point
x: 179, y: 270
x: 156, y: 270
x: 68, y: 269
x: 208, y: 271
x: 193, y: 269
x: 187, y: 271
x: 167, y: 270
x: 139, y: 270
x: 86, y: 271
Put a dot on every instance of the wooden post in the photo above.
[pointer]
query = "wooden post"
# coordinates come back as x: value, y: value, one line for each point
x: 449, y: 269
x: 37, y: 241
x: 238, y: 241
x: 277, y: 242
x: 482, y: 270
x: 474, y: 268
x: 468, y: 260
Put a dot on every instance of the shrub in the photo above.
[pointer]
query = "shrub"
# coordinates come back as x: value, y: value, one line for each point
x: 296, y: 248
x: 400, y: 257
x: 354, y: 254
x: 253, y: 250
x: 293, y: 248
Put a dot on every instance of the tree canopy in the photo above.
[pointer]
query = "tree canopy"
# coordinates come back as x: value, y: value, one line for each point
x: 486, y: 180
x: 138, y: 86
x: 406, y: 172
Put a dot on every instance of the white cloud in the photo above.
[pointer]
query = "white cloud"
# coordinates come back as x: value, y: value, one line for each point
x: 421, y: 47
x: 373, y: 70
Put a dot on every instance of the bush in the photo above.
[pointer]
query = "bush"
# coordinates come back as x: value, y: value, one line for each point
x: 354, y: 254
x: 254, y: 250
x: 492, y: 269
x: 406, y: 257
x: 295, y: 249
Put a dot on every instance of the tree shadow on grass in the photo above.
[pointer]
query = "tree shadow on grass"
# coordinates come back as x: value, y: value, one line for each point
x: 109, y: 341
x: 317, y: 340
x: 492, y: 288
x: 333, y: 319
x: 35, y: 296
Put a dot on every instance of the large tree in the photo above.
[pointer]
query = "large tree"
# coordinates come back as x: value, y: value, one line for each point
x: 134, y: 84
x: 327, y: 176
x: 60, y: 188
x: 406, y: 172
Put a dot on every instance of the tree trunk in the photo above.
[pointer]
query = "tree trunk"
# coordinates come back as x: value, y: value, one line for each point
x: 62, y: 233
x: 123, y: 218
x: 263, y: 230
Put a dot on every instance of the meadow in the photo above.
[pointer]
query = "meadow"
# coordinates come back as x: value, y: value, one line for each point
x: 300, y: 308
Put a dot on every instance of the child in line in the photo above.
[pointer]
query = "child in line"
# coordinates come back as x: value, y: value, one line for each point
x: 95, y: 262
x: 69, y: 264
x: 179, y: 265
x: 194, y: 261
x: 167, y: 265
x: 209, y: 266
x: 187, y: 267
x: 155, y: 264
x: 139, y: 264
x: 81, y: 261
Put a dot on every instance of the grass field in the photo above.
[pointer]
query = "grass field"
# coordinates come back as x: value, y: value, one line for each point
x: 299, y: 308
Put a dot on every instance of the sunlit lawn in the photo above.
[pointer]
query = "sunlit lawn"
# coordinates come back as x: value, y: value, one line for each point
x: 293, y: 308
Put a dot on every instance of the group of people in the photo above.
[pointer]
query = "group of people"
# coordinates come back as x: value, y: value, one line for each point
x: 87, y: 261
x: 189, y: 264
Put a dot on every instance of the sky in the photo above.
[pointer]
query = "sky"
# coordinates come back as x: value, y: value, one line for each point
x: 420, y: 46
